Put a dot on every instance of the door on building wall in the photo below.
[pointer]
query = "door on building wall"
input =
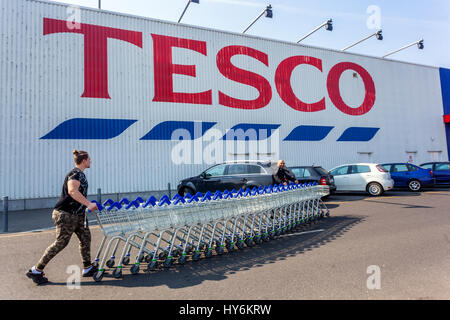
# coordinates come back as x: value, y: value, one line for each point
x: 365, y: 157
x: 434, y: 156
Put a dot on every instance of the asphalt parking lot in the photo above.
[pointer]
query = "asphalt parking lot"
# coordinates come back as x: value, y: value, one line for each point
x: 396, y: 246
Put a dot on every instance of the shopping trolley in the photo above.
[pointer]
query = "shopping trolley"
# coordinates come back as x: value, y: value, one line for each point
x: 167, y: 230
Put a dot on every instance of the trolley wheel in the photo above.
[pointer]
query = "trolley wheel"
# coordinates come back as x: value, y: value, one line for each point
x: 140, y: 259
x: 240, y: 245
x: 249, y: 242
x: 182, y: 259
x: 134, y: 269
x: 168, y: 262
x: 208, y: 253
x: 98, y: 276
x: 230, y: 247
x: 117, y: 273
x: 148, y: 258
x: 265, y: 238
x: 219, y: 250
x: 196, y: 256
x: 110, y: 263
x: 95, y: 264
x: 162, y: 255
x: 152, y: 265
x: 328, y: 213
x: 126, y: 261
x: 258, y: 239
x: 189, y: 248
x: 178, y: 252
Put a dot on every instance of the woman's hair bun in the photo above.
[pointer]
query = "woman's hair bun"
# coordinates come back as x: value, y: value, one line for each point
x: 75, y: 151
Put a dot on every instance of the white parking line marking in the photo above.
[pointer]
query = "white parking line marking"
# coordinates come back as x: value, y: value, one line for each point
x: 300, y: 233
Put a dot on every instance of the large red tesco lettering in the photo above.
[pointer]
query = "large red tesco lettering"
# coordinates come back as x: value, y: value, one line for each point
x: 243, y: 76
x: 335, y: 94
x: 95, y: 52
x: 96, y: 71
x: 165, y: 69
x: 284, y: 88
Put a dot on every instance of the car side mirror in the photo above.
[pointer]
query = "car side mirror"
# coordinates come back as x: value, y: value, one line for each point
x: 205, y: 176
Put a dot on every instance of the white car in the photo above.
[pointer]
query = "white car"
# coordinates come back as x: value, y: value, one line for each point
x: 369, y: 177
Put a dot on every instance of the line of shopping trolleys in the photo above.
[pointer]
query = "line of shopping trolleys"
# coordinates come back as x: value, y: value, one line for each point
x: 175, y: 229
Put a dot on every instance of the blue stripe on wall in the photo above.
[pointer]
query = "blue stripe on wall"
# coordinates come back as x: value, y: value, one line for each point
x: 309, y: 133
x: 165, y: 130
x: 250, y: 132
x: 85, y: 128
x: 445, y: 87
x: 356, y: 134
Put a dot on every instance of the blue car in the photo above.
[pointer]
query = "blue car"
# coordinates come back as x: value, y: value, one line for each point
x: 441, y: 171
x: 409, y: 175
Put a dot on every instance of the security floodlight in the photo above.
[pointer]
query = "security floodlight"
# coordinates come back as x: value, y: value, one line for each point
x: 419, y: 45
x: 377, y: 34
x: 267, y: 12
x: 185, y: 8
x: 327, y: 24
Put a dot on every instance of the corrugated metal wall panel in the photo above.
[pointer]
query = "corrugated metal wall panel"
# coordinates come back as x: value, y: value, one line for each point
x: 42, y: 80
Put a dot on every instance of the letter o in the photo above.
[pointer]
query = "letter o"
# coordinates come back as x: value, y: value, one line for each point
x: 334, y: 91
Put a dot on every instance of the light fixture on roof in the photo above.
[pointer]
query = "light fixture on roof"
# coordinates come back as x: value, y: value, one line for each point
x: 327, y: 24
x: 185, y: 8
x: 378, y: 35
x: 268, y: 13
x: 418, y: 43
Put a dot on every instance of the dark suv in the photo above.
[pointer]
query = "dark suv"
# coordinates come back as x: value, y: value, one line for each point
x: 228, y: 176
x: 306, y: 174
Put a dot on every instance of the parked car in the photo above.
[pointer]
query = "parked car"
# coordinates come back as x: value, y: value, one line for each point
x: 441, y: 171
x: 409, y: 175
x: 307, y: 174
x: 369, y: 177
x: 229, y: 175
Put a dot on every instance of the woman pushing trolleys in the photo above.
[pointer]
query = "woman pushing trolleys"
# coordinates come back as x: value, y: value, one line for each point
x: 69, y: 216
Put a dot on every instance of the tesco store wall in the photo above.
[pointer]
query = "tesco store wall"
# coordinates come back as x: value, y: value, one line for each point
x: 127, y: 89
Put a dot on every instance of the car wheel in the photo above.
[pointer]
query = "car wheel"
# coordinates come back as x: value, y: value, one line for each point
x: 414, y: 185
x: 184, y: 191
x: 375, y: 189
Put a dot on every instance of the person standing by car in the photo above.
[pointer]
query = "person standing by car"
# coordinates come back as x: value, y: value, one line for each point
x: 69, y: 217
x: 283, y: 174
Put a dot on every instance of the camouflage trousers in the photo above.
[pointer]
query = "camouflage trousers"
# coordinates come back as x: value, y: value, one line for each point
x: 67, y: 224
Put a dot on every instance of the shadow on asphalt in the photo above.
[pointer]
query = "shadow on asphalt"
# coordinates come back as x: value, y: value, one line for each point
x: 218, y: 268
x: 357, y: 196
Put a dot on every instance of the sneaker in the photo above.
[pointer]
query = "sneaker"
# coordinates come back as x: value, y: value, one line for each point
x: 37, y: 278
x: 90, y: 273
